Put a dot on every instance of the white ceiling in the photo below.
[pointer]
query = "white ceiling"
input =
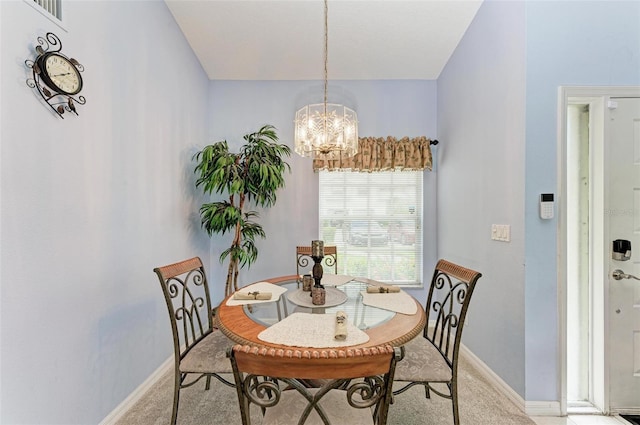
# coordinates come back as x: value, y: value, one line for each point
x: 284, y: 39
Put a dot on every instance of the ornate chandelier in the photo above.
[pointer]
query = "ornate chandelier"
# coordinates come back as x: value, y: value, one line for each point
x: 327, y: 130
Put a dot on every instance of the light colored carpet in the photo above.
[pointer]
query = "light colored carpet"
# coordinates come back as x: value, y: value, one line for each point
x: 480, y: 404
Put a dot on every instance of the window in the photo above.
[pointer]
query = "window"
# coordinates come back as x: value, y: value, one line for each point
x: 375, y: 220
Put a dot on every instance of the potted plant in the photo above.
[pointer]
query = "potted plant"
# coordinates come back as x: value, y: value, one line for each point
x: 250, y: 177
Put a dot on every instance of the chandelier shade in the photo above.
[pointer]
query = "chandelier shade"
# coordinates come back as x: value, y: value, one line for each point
x: 326, y: 129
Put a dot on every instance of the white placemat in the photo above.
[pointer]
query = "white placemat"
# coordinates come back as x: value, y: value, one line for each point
x: 400, y: 302
x: 329, y: 279
x: 333, y: 297
x: 311, y: 330
x: 276, y: 291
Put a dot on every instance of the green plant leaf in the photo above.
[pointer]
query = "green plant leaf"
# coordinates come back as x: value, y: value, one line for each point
x: 255, y: 173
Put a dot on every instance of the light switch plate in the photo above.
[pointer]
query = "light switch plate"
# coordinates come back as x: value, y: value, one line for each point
x: 501, y: 232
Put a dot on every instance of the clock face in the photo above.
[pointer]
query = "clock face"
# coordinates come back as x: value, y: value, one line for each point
x: 64, y: 76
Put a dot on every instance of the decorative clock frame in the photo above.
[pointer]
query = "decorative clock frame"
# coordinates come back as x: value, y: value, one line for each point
x: 58, y: 99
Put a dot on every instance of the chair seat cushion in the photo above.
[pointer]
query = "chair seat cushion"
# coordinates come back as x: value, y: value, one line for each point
x: 209, y: 355
x: 422, y: 363
x: 334, y: 403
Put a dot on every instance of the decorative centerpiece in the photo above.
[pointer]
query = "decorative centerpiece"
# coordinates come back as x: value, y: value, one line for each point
x: 318, y: 294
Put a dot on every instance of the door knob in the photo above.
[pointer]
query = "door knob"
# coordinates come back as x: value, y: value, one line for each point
x: 619, y: 275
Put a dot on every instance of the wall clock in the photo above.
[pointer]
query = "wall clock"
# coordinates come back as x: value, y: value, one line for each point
x: 56, y: 77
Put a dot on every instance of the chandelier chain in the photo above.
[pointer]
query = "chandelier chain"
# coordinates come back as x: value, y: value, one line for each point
x: 326, y: 52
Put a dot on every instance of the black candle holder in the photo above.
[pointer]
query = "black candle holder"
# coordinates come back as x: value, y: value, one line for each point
x: 317, y: 270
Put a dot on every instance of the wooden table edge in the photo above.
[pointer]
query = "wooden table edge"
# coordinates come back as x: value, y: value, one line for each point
x: 237, y: 312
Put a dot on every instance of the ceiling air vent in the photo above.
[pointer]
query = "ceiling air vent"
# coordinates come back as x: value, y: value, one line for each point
x: 51, y: 6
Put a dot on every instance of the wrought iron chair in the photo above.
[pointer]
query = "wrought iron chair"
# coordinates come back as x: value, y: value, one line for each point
x: 199, y: 349
x: 432, y: 360
x: 354, y: 385
x: 304, y: 262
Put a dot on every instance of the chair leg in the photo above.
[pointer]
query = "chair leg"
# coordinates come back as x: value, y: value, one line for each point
x: 245, y: 406
x: 176, y: 399
x: 454, y: 403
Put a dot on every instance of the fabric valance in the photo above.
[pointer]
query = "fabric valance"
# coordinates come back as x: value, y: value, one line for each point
x: 380, y: 154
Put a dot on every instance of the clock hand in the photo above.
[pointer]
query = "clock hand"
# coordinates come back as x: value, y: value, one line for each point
x: 60, y: 75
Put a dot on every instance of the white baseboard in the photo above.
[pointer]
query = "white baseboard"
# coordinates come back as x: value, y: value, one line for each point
x: 542, y: 408
x: 497, y: 382
x: 531, y: 408
x: 126, y: 404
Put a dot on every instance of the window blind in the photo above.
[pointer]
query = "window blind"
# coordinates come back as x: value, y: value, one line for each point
x: 375, y: 221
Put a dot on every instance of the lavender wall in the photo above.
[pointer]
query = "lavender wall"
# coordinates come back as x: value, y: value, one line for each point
x: 90, y: 204
x: 481, y: 96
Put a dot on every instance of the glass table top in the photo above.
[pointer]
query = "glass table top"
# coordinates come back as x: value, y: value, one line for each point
x: 362, y: 316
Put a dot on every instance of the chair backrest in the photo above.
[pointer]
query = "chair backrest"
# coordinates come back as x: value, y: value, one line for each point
x: 304, y: 261
x: 449, y: 296
x: 186, y: 292
x: 295, y: 369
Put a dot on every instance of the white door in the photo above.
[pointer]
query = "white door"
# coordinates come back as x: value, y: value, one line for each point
x: 623, y: 148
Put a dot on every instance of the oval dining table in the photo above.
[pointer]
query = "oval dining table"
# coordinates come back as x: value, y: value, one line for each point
x: 243, y: 323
